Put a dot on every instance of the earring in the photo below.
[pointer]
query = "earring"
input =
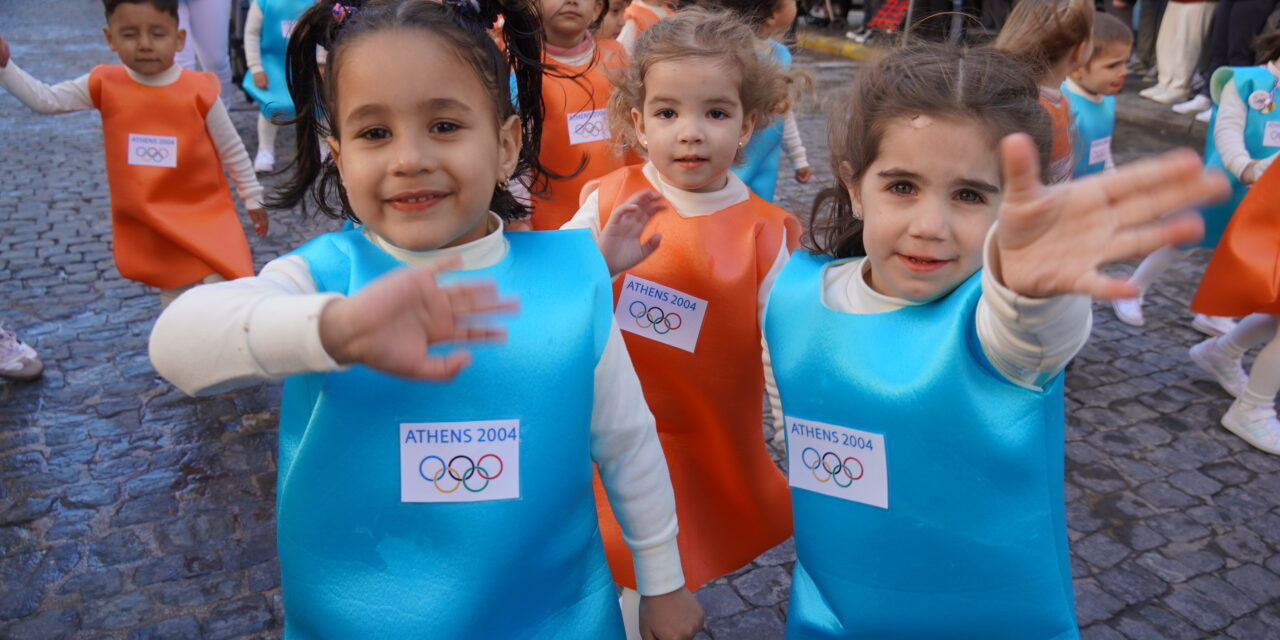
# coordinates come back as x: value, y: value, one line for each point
x: 644, y: 143
x: 504, y: 184
x: 740, y: 144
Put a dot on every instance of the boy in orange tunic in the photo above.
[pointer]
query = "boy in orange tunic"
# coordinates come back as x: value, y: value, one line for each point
x: 167, y: 138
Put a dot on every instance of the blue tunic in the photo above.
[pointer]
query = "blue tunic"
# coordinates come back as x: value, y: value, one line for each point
x: 973, y: 542
x: 358, y: 562
x: 278, y: 17
x: 764, y: 152
x: 1094, y: 122
x: 1247, y: 81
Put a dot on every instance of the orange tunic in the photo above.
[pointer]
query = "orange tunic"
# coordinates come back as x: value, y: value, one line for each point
x: 576, y: 129
x: 172, y: 218
x: 644, y: 17
x: 1243, y: 275
x: 1062, y: 155
x: 732, y: 502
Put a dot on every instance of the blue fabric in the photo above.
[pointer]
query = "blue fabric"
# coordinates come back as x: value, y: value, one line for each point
x: 973, y: 542
x: 274, y: 101
x: 1092, y: 121
x: 763, y: 152
x: 1248, y: 80
x: 356, y: 562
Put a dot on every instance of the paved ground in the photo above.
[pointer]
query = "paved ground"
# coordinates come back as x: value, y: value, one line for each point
x: 130, y: 511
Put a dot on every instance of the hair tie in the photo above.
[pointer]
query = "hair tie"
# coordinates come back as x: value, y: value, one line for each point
x: 473, y: 12
x: 341, y: 12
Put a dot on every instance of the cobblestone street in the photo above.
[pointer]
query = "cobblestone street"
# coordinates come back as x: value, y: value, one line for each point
x: 130, y: 511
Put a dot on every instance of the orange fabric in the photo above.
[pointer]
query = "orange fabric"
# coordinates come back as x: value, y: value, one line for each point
x: 1243, y: 275
x: 170, y: 226
x: 1061, y: 155
x: 732, y: 502
x: 586, y: 89
x: 642, y: 16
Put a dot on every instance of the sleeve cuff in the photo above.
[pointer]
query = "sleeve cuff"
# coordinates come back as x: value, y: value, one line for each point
x: 658, y: 570
x: 255, y: 68
x: 284, y: 335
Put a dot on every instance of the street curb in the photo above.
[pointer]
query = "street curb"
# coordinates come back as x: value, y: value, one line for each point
x: 835, y: 46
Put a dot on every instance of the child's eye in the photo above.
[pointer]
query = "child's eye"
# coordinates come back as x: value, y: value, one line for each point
x: 717, y: 114
x: 374, y: 133
x: 665, y: 113
x: 970, y: 196
x: 444, y: 127
x: 902, y: 188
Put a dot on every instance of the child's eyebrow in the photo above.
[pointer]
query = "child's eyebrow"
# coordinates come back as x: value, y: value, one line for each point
x: 442, y: 104
x: 978, y: 185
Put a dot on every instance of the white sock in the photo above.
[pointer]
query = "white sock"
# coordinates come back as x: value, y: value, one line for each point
x: 266, y: 135
x: 1154, y: 265
x: 1252, y: 330
x: 1264, y: 377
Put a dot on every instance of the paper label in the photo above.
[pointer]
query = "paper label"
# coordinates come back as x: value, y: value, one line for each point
x: 837, y: 461
x: 660, y: 313
x: 588, y: 126
x: 1271, y: 134
x: 460, y: 461
x: 1100, y: 150
x: 286, y: 28
x: 153, y: 151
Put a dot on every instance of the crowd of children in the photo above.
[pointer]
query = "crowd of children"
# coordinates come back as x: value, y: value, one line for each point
x: 491, y: 432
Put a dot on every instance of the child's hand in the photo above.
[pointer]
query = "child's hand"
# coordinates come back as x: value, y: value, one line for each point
x: 620, y: 239
x: 259, y: 218
x: 390, y: 323
x: 1051, y: 241
x: 4, y: 53
x: 260, y: 79
x: 803, y: 175
x: 674, y: 616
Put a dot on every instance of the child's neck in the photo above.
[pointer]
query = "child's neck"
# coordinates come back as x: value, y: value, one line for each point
x: 562, y: 47
x: 1056, y: 74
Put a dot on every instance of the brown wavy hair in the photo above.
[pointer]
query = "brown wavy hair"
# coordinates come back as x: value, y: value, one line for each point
x: 1039, y: 33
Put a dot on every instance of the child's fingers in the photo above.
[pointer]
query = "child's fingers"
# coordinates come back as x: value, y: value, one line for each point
x: 1104, y: 287
x: 479, y: 298
x: 474, y: 334
x: 1020, y: 167
x: 650, y: 245
x: 1148, y: 188
x: 1143, y: 207
x: 1139, y: 241
x: 444, y: 367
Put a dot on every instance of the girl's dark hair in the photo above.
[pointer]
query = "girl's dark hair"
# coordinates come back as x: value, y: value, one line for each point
x: 462, y: 24
x: 752, y: 12
x: 1267, y: 46
x: 1039, y: 33
x: 941, y: 81
x: 163, y: 6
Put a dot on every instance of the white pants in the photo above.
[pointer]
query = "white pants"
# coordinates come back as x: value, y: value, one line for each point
x: 1182, y: 32
x: 207, y: 23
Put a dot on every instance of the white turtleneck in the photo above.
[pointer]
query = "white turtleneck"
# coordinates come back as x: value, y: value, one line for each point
x: 232, y: 334
x: 73, y: 95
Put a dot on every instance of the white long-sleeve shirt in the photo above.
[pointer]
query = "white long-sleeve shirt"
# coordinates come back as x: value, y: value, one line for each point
x: 791, y: 141
x: 221, y: 336
x: 253, y: 38
x: 1228, y: 132
x: 73, y: 95
x: 630, y: 32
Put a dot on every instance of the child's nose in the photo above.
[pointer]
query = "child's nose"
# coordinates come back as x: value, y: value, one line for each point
x: 411, y: 157
x: 929, y: 221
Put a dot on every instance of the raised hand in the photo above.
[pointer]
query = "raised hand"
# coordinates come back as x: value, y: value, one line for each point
x: 619, y: 241
x: 1052, y: 240
x: 259, y: 218
x: 673, y: 616
x: 390, y: 323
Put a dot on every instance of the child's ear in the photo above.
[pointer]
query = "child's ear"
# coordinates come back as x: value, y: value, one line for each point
x: 599, y: 11
x: 748, y: 129
x: 509, y: 147
x: 335, y: 153
x: 637, y: 120
x: 106, y: 33
x: 1080, y: 54
x: 845, y: 176
x: 182, y: 39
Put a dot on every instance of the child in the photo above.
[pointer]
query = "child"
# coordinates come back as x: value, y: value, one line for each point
x: 640, y: 15
x: 1052, y: 38
x: 167, y: 139
x: 610, y: 25
x: 1091, y: 91
x: 426, y: 493
x: 264, y: 51
x: 694, y: 93
x: 922, y: 392
x: 576, y: 144
x: 1244, y: 134
x: 771, y: 18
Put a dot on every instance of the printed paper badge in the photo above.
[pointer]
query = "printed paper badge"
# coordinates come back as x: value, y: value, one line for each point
x: 588, y: 126
x: 660, y: 313
x: 460, y: 461
x: 1271, y: 134
x: 153, y: 151
x: 837, y: 461
x: 1100, y: 150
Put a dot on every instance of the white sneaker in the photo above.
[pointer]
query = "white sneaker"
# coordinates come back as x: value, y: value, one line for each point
x: 1256, y: 424
x: 1151, y: 92
x: 1195, y: 105
x: 1228, y: 371
x: 1205, y: 116
x: 1169, y: 97
x: 264, y: 162
x: 1129, y: 311
x: 17, y: 360
x: 1212, y: 325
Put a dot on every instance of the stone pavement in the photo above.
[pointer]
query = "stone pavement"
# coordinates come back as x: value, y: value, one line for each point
x: 129, y: 511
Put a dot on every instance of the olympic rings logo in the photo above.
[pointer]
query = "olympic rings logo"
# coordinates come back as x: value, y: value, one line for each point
x: 662, y: 323
x: 154, y: 154
x: 462, y: 475
x: 832, y: 467
x: 592, y: 128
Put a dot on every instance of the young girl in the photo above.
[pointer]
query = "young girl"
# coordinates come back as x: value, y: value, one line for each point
x: 429, y: 493
x: 266, y: 34
x: 576, y: 144
x: 640, y: 15
x: 771, y: 18
x: 1091, y: 90
x: 922, y: 392
x: 1244, y: 135
x: 694, y: 93
x: 611, y: 22
x: 1052, y: 38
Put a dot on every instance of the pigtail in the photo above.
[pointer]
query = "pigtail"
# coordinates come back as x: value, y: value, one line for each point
x: 317, y: 27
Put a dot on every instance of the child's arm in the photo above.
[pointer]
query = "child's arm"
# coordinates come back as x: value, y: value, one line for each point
x: 633, y: 470
x: 795, y: 147
x: 64, y: 97
x: 236, y: 161
x: 253, y: 45
x: 1228, y: 137
x: 619, y: 240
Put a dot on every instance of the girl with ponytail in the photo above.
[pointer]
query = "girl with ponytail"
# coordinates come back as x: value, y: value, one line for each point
x: 424, y: 487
